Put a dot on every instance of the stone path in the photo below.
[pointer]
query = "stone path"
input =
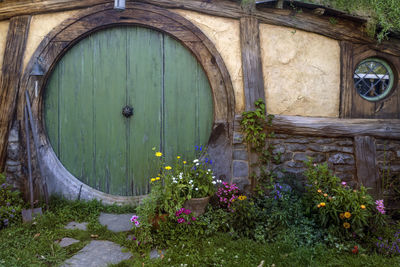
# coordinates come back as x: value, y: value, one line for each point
x: 98, y: 254
x: 102, y: 252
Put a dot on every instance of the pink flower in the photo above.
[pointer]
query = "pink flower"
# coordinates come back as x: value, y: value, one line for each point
x: 193, y: 218
x: 344, y: 183
x: 187, y: 212
x: 137, y: 223
x: 134, y: 218
x: 379, y: 206
x: 181, y: 220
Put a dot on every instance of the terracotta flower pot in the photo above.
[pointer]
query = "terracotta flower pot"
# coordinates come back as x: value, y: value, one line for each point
x: 197, y: 205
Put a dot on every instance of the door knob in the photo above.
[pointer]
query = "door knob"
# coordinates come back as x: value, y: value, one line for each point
x: 127, y: 111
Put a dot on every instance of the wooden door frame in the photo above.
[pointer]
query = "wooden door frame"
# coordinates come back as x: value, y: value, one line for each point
x: 71, y: 31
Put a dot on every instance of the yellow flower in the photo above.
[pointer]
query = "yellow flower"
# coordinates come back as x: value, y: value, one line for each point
x: 363, y: 207
x: 346, y: 225
x: 178, y: 157
x: 184, y: 162
x: 242, y: 197
x: 157, y: 178
x: 319, y: 206
x: 347, y: 214
x: 158, y: 154
x: 341, y: 215
x: 168, y: 168
x: 152, y: 179
x: 325, y: 195
x: 322, y: 204
x: 319, y: 191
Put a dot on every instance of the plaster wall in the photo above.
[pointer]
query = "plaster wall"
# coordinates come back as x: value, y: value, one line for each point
x: 225, y: 34
x: 301, y: 72
x: 3, y: 38
x: 40, y: 26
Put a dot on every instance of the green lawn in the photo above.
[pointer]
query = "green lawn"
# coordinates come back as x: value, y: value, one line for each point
x: 33, y: 245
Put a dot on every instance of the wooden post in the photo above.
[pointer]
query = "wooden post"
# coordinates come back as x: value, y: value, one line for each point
x: 9, y: 83
x: 251, y: 61
x: 367, y: 171
x: 346, y: 79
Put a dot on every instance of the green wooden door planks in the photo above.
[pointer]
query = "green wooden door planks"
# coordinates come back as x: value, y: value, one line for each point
x: 113, y: 68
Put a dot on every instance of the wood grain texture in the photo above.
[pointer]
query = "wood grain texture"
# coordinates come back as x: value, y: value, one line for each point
x: 251, y: 61
x: 367, y: 171
x: 333, y: 127
x: 346, y: 79
x: 9, y: 83
x: 342, y: 30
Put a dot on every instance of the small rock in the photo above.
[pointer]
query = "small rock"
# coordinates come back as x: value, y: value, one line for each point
x: 76, y: 225
x: 66, y: 241
x: 237, y: 138
x: 154, y: 254
x: 116, y: 222
x: 341, y: 158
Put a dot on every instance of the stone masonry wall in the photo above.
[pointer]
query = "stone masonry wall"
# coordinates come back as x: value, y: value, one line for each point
x: 13, y: 162
x: 388, y: 156
x: 295, y: 149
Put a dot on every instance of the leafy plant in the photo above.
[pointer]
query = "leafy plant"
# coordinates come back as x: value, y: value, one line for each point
x: 10, y: 204
x: 342, y: 209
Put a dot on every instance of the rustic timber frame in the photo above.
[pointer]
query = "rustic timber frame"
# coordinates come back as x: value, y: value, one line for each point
x: 57, y: 42
x: 352, y: 104
x: 382, y: 123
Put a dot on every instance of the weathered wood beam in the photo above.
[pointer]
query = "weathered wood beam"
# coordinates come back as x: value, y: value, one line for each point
x: 367, y: 171
x: 346, y: 79
x: 334, y: 127
x: 251, y: 61
x: 341, y: 30
x: 9, y: 82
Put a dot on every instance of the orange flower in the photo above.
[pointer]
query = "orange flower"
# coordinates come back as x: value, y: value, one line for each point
x: 346, y: 225
x: 319, y: 191
x: 322, y: 204
x: 362, y: 207
x: 347, y: 214
x: 341, y: 215
x: 319, y: 206
x: 325, y: 195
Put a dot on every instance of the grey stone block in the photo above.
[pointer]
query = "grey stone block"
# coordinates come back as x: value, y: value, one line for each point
x: 295, y: 164
x: 98, y: 254
x: 12, y: 169
x: 237, y: 138
x: 240, y: 169
x: 330, y: 148
x: 240, y: 154
x: 66, y: 241
x: 13, y: 136
x: 296, y: 147
x: 13, y: 163
x: 341, y: 158
x: 116, y: 222
x: 297, y: 141
x: 345, y: 168
x: 13, y: 151
x: 398, y: 153
x: 279, y: 149
x: 76, y: 225
x: 323, y: 141
x: 301, y: 156
x: 344, y: 143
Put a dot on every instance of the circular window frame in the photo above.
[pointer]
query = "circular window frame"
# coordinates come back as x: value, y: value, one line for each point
x: 391, y: 74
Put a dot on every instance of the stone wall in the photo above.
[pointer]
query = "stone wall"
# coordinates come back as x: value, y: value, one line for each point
x: 13, y: 162
x: 388, y: 156
x: 295, y: 149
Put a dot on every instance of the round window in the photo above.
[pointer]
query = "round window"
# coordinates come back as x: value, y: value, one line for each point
x: 373, y: 79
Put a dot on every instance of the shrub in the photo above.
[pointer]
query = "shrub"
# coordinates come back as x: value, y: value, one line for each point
x: 342, y: 209
x: 10, y: 204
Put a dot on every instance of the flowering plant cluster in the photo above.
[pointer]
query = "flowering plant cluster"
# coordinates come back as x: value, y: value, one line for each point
x: 227, y: 194
x: 337, y: 204
x: 135, y: 220
x: 184, y: 216
x: 380, y: 207
x: 389, y: 247
x: 10, y: 204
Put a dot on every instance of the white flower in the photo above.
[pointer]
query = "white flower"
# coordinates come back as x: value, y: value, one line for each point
x: 197, y: 164
x: 213, y: 177
x: 196, y: 189
x: 196, y: 160
x: 214, y: 182
x: 191, y: 182
x: 208, y: 170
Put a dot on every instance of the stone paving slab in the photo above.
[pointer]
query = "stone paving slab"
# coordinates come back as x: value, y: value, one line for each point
x: 156, y: 253
x: 66, y: 241
x: 76, y: 225
x: 116, y: 222
x: 98, y: 253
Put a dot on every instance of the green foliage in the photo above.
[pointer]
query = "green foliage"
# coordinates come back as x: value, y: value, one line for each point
x: 10, y: 204
x: 345, y: 211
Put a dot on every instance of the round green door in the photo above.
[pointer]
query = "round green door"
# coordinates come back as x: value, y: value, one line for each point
x: 117, y: 68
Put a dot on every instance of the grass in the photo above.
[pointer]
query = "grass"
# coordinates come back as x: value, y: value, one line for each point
x: 32, y: 244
